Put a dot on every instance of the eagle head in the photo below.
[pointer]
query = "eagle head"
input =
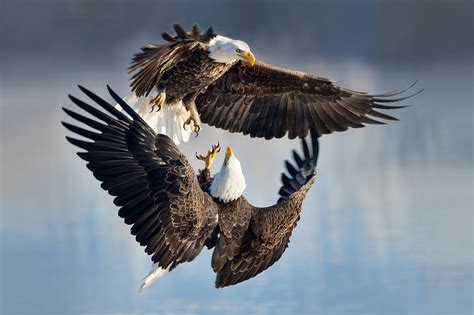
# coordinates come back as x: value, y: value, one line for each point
x: 227, y: 50
x: 229, y: 183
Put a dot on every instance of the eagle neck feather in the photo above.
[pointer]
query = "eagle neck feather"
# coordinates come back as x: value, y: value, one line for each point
x: 229, y: 184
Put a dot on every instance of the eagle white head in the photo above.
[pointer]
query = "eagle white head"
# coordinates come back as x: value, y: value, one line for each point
x: 226, y: 50
x: 229, y: 183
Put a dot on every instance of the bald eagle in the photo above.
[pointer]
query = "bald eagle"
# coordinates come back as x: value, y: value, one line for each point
x: 173, y: 211
x: 205, y: 77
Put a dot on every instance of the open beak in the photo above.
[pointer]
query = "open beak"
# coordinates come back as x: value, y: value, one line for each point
x: 248, y: 57
x: 228, y: 154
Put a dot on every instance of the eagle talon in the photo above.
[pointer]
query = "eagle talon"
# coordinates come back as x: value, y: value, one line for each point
x: 155, y: 108
x: 196, y: 128
x: 157, y: 101
x: 209, y: 158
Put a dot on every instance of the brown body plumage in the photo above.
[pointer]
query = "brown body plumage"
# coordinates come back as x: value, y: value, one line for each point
x: 170, y: 208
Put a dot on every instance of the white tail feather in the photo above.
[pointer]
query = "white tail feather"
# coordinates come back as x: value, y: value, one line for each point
x: 169, y: 120
x: 154, y: 274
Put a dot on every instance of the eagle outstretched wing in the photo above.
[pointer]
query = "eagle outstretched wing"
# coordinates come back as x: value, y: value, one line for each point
x: 268, y: 102
x: 153, y: 183
x: 269, y: 230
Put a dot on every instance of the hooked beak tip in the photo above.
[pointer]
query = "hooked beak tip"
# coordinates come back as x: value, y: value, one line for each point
x: 228, y: 154
x: 250, y: 58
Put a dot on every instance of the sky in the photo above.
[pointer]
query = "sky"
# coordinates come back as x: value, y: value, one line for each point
x: 387, y: 227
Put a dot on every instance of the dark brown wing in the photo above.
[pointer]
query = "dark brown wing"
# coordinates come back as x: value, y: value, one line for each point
x: 267, y: 102
x: 270, y: 228
x: 154, y: 60
x: 155, y: 186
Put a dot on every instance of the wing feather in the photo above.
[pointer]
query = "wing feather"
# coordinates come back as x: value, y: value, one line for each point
x: 155, y: 60
x: 267, y: 236
x: 154, y: 184
x: 289, y: 102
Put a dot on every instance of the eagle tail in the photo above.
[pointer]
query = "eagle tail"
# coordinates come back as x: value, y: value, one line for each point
x: 168, y: 120
x: 156, y: 273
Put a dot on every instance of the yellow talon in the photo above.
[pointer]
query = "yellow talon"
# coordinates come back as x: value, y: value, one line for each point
x: 209, y: 158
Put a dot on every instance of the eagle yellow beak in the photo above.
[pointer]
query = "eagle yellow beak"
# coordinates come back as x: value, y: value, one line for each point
x: 250, y: 58
x: 228, y: 154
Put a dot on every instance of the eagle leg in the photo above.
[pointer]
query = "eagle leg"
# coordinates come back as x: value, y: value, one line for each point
x: 158, y: 101
x: 193, y: 120
x: 209, y: 158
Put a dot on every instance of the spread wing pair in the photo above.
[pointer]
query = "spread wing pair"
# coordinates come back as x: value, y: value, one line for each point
x: 159, y: 194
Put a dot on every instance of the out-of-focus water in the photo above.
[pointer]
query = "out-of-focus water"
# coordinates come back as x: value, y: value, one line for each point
x: 387, y: 228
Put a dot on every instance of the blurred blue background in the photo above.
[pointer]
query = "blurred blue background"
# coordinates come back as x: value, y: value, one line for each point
x: 387, y: 228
